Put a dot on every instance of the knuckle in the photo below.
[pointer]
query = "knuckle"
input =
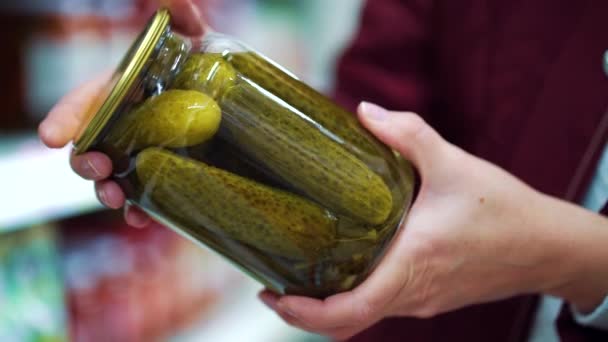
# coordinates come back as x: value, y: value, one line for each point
x: 415, y: 126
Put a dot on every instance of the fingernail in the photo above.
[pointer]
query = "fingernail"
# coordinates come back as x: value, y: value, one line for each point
x: 284, y: 308
x: 101, y: 195
x: 89, y: 168
x: 373, y: 112
x: 268, y: 302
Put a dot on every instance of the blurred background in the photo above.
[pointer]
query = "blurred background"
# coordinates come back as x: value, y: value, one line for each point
x: 71, y: 271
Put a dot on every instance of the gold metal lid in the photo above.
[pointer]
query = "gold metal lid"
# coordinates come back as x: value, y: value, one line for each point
x: 108, y: 101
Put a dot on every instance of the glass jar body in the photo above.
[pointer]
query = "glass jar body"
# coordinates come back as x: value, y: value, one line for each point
x: 230, y: 150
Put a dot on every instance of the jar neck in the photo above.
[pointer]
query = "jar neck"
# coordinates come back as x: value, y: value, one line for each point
x: 171, y: 53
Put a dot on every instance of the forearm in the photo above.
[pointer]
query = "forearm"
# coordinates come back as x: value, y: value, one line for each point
x: 579, y: 239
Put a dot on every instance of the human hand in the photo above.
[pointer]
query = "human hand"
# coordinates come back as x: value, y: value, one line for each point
x: 471, y: 237
x: 63, y: 122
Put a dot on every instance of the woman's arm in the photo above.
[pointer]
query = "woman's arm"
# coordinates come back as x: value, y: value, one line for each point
x: 583, y: 243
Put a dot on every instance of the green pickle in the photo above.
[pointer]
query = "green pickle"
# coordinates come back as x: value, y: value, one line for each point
x: 270, y: 220
x: 306, y: 100
x: 175, y: 118
x: 304, y: 156
x: 208, y: 73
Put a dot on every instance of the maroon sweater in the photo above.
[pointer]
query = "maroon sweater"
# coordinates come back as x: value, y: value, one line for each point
x: 517, y: 82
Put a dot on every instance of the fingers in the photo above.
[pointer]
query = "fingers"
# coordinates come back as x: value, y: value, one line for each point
x: 135, y: 217
x: 186, y: 17
x: 98, y: 167
x: 65, y: 119
x: 406, y: 132
x: 110, y: 194
x: 361, y: 307
x: 336, y: 333
x: 271, y: 300
x: 92, y: 165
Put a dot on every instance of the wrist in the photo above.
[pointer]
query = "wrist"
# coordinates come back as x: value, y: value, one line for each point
x: 579, y: 241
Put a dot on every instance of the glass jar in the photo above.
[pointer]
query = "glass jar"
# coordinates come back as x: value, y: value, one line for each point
x: 227, y: 148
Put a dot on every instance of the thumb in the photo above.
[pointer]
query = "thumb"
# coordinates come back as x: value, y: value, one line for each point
x: 186, y: 17
x: 405, y: 132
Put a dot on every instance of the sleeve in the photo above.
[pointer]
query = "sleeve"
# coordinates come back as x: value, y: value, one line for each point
x: 597, y: 319
x: 389, y: 60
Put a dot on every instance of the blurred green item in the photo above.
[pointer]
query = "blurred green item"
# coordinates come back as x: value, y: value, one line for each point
x: 31, y: 290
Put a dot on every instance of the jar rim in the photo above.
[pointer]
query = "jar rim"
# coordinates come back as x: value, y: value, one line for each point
x: 108, y: 101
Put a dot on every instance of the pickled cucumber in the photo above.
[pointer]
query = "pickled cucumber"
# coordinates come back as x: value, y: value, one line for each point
x: 308, y: 101
x: 221, y: 154
x: 303, y: 155
x: 175, y: 118
x: 208, y: 73
x: 206, y: 197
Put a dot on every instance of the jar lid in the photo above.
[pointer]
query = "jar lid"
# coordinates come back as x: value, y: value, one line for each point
x: 108, y: 101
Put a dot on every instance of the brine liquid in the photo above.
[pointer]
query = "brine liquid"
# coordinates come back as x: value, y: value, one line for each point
x: 274, y: 105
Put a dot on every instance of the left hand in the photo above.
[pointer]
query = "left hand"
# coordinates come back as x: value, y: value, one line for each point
x: 66, y: 118
x: 470, y: 238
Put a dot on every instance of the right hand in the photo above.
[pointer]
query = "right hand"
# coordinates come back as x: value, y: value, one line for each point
x: 63, y: 121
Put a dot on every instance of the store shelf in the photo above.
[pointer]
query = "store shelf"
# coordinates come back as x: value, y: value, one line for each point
x: 37, y: 184
x: 243, y: 317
